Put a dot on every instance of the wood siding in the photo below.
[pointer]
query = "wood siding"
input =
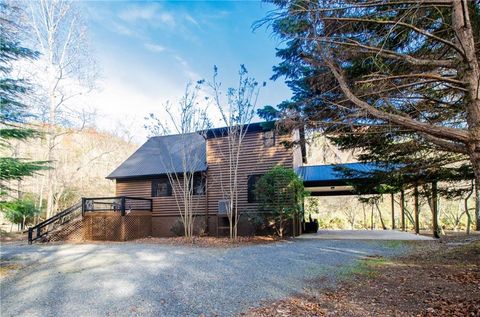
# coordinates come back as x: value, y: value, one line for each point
x: 255, y: 159
x: 162, y: 206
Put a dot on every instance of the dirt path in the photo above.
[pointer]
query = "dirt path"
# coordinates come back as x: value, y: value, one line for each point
x: 441, y: 279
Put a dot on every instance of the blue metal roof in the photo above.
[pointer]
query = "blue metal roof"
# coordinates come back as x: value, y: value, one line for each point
x: 328, y: 173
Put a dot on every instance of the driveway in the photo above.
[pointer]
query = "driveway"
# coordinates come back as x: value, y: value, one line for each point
x: 364, y: 235
x: 133, y: 279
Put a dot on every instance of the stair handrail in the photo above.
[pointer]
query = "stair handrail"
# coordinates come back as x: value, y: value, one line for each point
x: 50, y: 220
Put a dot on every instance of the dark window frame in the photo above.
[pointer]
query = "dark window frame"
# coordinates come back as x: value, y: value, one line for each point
x: 158, y: 181
x: 251, y: 183
x: 266, y: 139
x: 198, y: 178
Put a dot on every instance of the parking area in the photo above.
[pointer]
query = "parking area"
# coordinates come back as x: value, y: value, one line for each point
x: 139, y: 279
x: 364, y: 235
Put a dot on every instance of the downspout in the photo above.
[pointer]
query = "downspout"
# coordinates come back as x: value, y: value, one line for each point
x: 207, y: 227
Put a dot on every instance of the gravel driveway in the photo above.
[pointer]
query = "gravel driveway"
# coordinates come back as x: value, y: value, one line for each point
x: 130, y: 279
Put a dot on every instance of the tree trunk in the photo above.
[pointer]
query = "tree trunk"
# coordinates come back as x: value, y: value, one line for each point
x: 402, y: 208
x: 371, y: 219
x: 436, y: 229
x: 477, y: 202
x: 280, y: 227
x: 393, y: 211
x: 50, y: 172
x: 469, y: 218
x: 381, y: 218
x: 365, y: 224
x: 417, y: 224
x: 471, y: 74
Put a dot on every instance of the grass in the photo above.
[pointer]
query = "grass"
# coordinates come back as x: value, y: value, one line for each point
x: 363, y: 267
x: 394, y: 244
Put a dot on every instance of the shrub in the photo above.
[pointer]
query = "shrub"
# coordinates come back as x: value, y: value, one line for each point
x: 20, y: 211
x: 177, y: 228
x: 280, y: 194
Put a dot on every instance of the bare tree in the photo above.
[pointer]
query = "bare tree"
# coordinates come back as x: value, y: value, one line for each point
x: 350, y: 212
x: 237, y: 109
x: 64, y: 74
x: 185, y: 158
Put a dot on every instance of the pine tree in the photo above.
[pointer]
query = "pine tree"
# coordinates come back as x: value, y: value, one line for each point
x: 408, y: 67
x: 14, y: 113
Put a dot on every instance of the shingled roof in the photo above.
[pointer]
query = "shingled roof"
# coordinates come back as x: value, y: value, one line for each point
x: 163, y: 154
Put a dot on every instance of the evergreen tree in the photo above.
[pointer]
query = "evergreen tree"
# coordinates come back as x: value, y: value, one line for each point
x: 280, y: 195
x: 385, y: 76
x: 13, y: 112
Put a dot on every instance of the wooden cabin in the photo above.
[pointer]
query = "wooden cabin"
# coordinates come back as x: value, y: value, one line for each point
x: 145, y: 202
x: 145, y: 174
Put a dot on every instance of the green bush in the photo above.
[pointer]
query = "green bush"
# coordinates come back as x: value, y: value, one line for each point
x: 20, y: 211
x: 280, y: 193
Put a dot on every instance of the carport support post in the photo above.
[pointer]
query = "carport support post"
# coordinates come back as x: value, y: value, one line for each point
x: 402, y: 208
x: 393, y: 211
x: 417, y: 224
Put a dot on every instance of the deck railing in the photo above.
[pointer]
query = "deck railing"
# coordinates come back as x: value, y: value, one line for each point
x: 44, y: 227
x: 122, y: 204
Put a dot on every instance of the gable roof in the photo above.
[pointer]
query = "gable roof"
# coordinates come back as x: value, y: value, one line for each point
x: 163, y: 154
x: 252, y: 127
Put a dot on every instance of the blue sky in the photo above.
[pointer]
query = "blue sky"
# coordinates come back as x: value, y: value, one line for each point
x: 148, y: 51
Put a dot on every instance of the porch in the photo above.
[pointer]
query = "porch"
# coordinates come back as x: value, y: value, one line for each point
x: 118, y: 218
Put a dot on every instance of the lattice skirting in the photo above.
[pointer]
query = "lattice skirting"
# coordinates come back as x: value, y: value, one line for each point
x: 104, y: 226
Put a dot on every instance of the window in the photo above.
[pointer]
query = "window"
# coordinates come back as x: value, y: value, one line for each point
x: 269, y: 138
x: 252, y: 181
x: 198, y: 185
x: 161, y: 187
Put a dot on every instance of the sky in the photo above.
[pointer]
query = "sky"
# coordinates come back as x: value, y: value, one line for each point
x: 147, y: 52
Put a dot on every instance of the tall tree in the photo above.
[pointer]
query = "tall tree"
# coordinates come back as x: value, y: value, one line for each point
x: 63, y: 75
x: 237, y: 108
x: 14, y: 113
x: 184, y: 159
x: 409, y: 64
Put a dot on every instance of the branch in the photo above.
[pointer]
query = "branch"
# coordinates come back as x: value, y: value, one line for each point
x: 394, y: 55
x: 412, y: 27
x: 441, y: 132
x: 434, y: 76
x: 444, y: 144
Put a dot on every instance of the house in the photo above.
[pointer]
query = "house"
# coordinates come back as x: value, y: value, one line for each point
x: 145, y: 202
x: 145, y: 174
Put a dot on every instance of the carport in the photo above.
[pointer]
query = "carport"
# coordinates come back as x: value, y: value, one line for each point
x: 364, y: 235
x: 328, y: 180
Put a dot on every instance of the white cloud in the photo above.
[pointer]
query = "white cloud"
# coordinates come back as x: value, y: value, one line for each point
x: 134, y: 13
x: 189, y: 18
x: 187, y: 69
x: 152, y: 13
x: 155, y: 48
x: 118, y: 102
x: 122, y: 29
x: 167, y: 19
